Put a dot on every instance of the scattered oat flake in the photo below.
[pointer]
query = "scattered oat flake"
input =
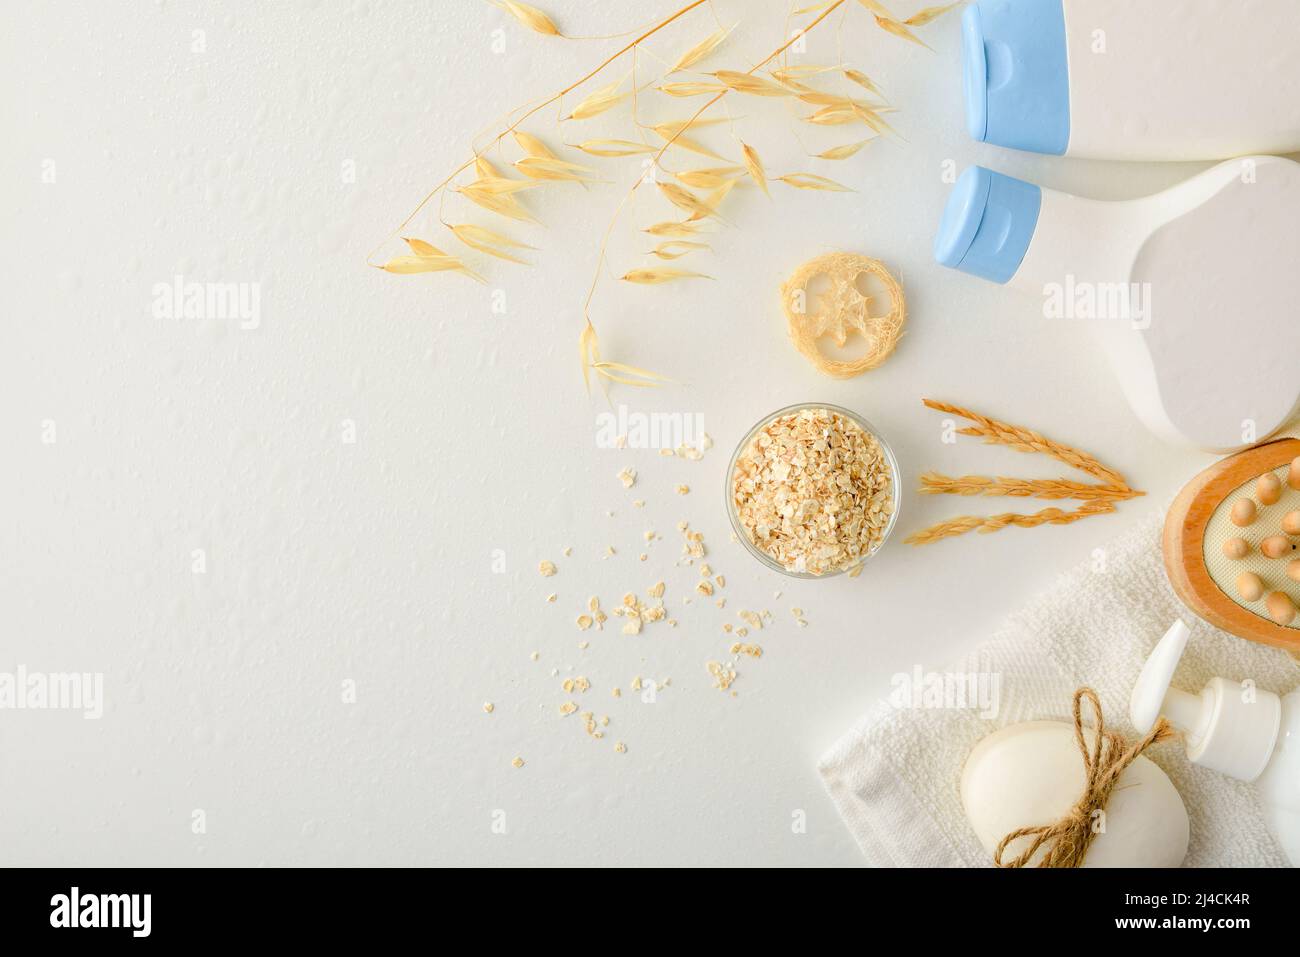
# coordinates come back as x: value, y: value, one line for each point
x: 551, y: 597
x: 667, y: 453
x: 489, y: 707
x: 616, y: 693
x: 584, y: 622
x: 704, y: 587
x: 754, y: 651
x: 639, y: 503
x: 722, y: 675
x: 656, y: 590
x: 620, y: 747
x: 636, y: 683
x: 568, y: 708
x: 721, y: 581
x: 567, y: 551
x: 752, y: 619
x: 518, y: 762
x: 584, y: 645
x: 546, y: 568
x: 643, y: 556
x: 705, y: 571
x: 683, y: 490
x: 627, y: 476
x: 535, y: 655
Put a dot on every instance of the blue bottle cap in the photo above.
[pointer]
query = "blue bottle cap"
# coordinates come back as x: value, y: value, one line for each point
x: 987, y: 224
x: 1016, y: 74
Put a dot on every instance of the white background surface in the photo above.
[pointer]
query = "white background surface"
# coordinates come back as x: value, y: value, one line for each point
x: 372, y: 562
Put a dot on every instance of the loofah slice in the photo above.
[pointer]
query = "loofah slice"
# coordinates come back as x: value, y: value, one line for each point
x: 842, y: 309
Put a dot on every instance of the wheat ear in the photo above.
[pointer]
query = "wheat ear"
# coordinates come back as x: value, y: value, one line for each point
x: 995, y: 523
x: 933, y: 483
x: 1027, y: 440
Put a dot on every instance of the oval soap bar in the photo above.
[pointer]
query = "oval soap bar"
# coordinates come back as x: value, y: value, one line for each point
x: 1032, y: 773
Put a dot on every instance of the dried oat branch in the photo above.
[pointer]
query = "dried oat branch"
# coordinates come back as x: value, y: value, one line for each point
x: 994, y: 523
x: 531, y: 111
x: 1027, y: 440
x: 679, y: 133
x: 933, y: 483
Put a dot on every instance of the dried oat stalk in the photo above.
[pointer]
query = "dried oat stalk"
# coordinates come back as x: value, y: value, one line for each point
x: 827, y: 89
x: 1098, y: 499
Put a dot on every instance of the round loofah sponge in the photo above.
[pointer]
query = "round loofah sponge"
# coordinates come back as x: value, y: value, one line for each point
x: 841, y: 309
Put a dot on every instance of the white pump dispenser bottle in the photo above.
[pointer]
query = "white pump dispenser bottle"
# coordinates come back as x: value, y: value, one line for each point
x: 1241, y: 731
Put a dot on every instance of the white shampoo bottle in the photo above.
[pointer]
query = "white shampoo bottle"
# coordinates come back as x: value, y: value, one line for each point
x: 1239, y: 730
x: 1193, y: 291
x: 1134, y: 79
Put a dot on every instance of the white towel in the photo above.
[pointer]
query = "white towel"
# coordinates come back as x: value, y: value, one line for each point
x: 894, y: 776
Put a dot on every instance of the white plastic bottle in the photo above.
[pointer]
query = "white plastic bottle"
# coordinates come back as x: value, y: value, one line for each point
x: 1252, y: 736
x: 1134, y: 79
x: 1193, y: 291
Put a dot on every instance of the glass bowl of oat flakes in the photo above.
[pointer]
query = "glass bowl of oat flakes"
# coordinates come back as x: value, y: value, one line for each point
x: 812, y: 490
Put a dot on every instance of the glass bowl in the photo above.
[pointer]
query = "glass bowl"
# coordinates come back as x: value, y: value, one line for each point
x: 863, y: 424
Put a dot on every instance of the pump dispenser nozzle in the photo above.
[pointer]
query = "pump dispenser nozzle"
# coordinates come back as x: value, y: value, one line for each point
x: 1228, y: 727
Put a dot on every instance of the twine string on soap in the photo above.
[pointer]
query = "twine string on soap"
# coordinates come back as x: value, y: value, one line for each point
x: 1067, y: 840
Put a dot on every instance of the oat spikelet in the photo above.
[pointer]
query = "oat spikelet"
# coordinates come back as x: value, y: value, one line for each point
x: 538, y: 167
x: 710, y: 178
x: 812, y: 181
x: 674, y: 134
x: 755, y: 167
x: 606, y: 98
x: 995, y: 523
x: 932, y: 483
x: 685, y: 199
x: 843, y: 152
x: 691, y: 89
x: 427, y: 258
x: 676, y: 230
x: 531, y: 17
x: 532, y: 145
x: 660, y: 274
x: 751, y: 84
x: 899, y: 30
x: 676, y: 248
x: 614, y: 148
x: 488, y: 241
x: 929, y: 14
x: 878, y: 9
x: 628, y: 375
x: 862, y: 80
x: 503, y: 204
x: 702, y: 49
x: 1027, y: 440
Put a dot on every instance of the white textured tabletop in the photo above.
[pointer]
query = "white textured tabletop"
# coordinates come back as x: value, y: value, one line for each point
x: 302, y: 550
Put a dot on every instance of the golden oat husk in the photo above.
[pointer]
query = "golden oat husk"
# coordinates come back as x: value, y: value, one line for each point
x: 899, y: 30
x: 751, y: 84
x: 685, y: 199
x: 614, y: 148
x: 427, y: 258
x: 813, y: 181
x: 709, y: 178
x: 673, y: 134
x: 755, y: 167
x: 842, y: 152
x: 503, y: 204
x: 537, y: 167
x: 702, y: 49
x: 660, y: 274
x: 787, y: 74
x: 531, y: 17
x: 487, y: 241
x: 589, y: 351
x: 676, y: 248
x: 501, y: 184
x: 533, y: 146
x: 714, y: 200
x: 606, y: 98
x: 929, y: 14
x: 620, y: 372
x: 813, y: 8
x: 690, y: 89
x: 675, y: 229
x: 862, y: 80
x: 934, y: 483
x: 877, y: 8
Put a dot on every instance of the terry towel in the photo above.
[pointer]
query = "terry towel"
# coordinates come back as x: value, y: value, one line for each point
x: 895, y: 775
